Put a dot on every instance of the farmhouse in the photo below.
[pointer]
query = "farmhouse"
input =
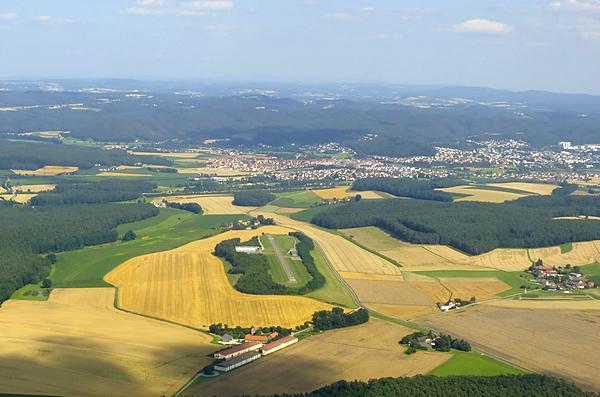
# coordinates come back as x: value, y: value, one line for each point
x: 248, y: 249
x: 278, y: 344
x: 228, y: 340
x: 235, y: 351
x: 256, y: 338
x: 242, y: 359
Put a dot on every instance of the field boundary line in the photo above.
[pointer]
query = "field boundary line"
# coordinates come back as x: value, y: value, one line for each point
x: 379, y: 254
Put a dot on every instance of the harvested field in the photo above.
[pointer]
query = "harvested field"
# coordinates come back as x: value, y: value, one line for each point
x: 211, y: 205
x: 372, y: 276
x: 343, y: 255
x: 548, y: 304
x: 363, y: 352
x: 582, y: 253
x: 507, y: 259
x: 563, y: 343
x: 403, y: 312
x: 480, y: 288
x: 188, y: 285
x: 390, y: 292
x: 543, y: 189
x: 121, y: 174
x: 482, y: 195
x: 284, y: 210
x: 179, y: 155
x: 48, y: 170
x: 78, y: 344
x: 34, y: 188
x: 21, y: 198
x: 344, y: 192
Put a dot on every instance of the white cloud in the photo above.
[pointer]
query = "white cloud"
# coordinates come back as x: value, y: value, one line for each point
x: 576, y: 5
x: 181, y: 7
x: 591, y: 36
x: 338, y: 16
x: 7, y: 16
x: 484, y: 26
x: 49, y: 19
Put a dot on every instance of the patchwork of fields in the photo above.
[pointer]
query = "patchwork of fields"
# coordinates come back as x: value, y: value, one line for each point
x: 211, y: 205
x: 499, y: 192
x: 561, y: 343
x: 47, y: 170
x: 188, y: 285
x: 78, y: 344
x: 363, y: 352
x: 343, y: 192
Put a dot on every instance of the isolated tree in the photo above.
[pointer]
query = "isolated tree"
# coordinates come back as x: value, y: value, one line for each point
x: 129, y: 235
x: 47, y: 283
x: 52, y: 258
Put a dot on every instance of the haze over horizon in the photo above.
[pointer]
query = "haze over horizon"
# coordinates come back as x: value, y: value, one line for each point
x: 516, y: 45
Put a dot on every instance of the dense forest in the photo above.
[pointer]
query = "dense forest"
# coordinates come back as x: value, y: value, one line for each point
x: 409, y: 187
x: 254, y: 268
x: 455, y: 386
x: 28, y: 232
x: 471, y: 226
x: 105, y: 191
x: 253, y: 198
x: 34, y: 155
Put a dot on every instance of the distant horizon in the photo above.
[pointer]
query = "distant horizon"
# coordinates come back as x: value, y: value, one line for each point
x: 233, y: 81
x: 545, y: 45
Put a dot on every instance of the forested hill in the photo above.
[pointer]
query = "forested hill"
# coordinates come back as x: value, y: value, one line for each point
x: 28, y: 232
x: 34, y: 155
x: 423, y: 189
x: 109, y: 190
x: 470, y: 226
x: 454, y: 386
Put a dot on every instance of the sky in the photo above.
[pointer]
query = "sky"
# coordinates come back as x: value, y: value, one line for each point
x: 551, y: 45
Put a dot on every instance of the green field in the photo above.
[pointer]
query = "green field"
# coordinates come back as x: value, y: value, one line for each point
x: 296, y: 199
x: 276, y: 270
x: 171, y: 228
x: 514, y: 279
x: 307, y: 214
x: 566, y: 247
x: 474, y: 363
x: 333, y: 291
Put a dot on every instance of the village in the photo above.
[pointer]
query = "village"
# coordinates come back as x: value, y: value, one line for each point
x: 566, y: 279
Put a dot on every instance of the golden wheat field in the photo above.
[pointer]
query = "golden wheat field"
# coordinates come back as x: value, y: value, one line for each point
x: 507, y: 259
x: 482, y: 195
x: 211, y: 205
x: 543, y: 189
x: 188, y: 285
x: 180, y: 155
x: 48, y: 170
x: 362, y: 352
x: 21, y: 198
x: 559, y: 303
x: 78, y: 344
x: 34, y: 188
x: 121, y: 174
x: 343, y: 255
x: 582, y: 254
x: 344, y: 192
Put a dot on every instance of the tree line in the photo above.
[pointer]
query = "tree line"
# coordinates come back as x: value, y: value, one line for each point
x: 423, y: 189
x: 471, y: 226
x: 28, y: 232
x: 455, y: 386
x: 110, y: 190
x: 34, y: 155
x: 336, y: 318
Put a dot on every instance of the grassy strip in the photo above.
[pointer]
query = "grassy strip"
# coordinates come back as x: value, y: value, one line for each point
x: 474, y: 363
x: 276, y: 267
x: 171, y: 228
x: 333, y: 291
x: 566, y: 247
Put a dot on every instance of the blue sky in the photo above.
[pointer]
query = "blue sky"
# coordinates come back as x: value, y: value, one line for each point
x: 547, y: 44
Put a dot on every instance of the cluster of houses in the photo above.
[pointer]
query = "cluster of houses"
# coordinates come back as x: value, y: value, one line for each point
x: 251, y: 348
x: 454, y: 303
x: 335, y: 200
x: 561, y: 278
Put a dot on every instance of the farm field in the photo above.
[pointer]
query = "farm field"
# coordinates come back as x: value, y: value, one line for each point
x: 548, y: 303
x: 78, y: 344
x: 362, y: 352
x: 560, y: 343
x: 122, y: 174
x: 34, y: 188
x: 20, y: 198
x: 211, y: 205
x: 343, y: 255
x: 497, y: 282
x: 474, y: 363
x: 471, y: 193
x: 178, y: 155
x: 47, y: 170
x: 543, y: 189
x: 342, y: 192
x: 86, y: 267
x: 581, y: 254
x: 188, y: 285
x: 296, y: 199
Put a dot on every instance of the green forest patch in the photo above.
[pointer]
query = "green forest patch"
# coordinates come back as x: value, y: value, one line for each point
x: 475, y: 364
x: 171, y: 228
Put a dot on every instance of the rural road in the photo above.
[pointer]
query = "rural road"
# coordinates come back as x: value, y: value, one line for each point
x: 282, y: 259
